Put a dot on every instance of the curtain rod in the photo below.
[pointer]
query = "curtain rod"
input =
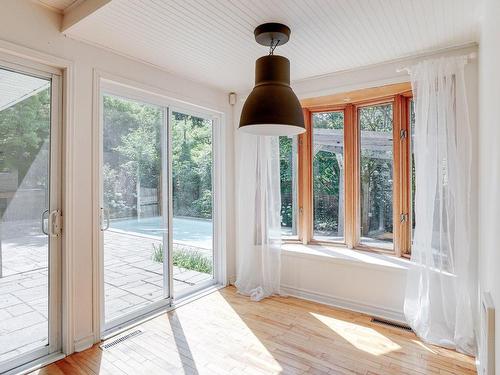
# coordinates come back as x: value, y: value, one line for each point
x: 470, y: 56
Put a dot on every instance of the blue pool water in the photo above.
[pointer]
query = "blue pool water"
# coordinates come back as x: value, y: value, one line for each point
x: 195, y: 232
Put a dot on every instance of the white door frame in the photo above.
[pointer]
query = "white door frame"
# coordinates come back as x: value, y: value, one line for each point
x: 24, y: 56
x: 55, y: 305
x: 122, y: 87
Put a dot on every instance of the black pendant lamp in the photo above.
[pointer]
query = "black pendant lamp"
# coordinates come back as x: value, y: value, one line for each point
x: 272, y: 108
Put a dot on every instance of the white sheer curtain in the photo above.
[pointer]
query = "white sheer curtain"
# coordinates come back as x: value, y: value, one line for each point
x: 259, y: 225
x: 440, y: 281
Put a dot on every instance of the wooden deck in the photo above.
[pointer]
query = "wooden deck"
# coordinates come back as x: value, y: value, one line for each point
x: 225, y: 333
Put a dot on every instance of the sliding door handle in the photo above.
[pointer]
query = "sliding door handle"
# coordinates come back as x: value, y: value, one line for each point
x: 55, y: 223
x: 43, y: 222
x: 104, y: 218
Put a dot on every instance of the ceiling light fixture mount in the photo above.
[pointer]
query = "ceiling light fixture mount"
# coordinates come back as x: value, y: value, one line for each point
x: 272, y: 108
x: 270, y: 34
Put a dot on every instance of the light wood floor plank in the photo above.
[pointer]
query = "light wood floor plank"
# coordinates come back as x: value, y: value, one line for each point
x: 225, y: 333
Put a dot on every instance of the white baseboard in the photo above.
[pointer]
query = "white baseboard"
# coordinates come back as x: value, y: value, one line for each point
x: 342, y: 303
x: 84, y: 343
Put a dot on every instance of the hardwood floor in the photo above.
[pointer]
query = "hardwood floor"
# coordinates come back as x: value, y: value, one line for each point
x: 225, y: 333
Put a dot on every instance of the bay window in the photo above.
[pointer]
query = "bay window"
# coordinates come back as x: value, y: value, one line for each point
x: 348, y: 180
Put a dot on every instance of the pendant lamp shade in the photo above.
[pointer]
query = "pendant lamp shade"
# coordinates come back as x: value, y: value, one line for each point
x: 272, y: 108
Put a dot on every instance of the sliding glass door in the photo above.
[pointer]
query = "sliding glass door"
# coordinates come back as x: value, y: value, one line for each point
x: 157, y: 204
x: 193, y: 203
x: 30, y: 220
x: 134, y: 212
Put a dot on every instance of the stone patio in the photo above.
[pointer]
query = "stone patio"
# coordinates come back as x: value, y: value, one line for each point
x: 132, y: 280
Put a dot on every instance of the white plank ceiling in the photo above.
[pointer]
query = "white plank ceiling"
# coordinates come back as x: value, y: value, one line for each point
x: 211, y: 41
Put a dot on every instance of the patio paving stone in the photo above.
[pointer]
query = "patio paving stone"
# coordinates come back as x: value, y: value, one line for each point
x: 132, y: 279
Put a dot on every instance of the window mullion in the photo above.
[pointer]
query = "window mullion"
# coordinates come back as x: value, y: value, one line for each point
x: 350, y: 169
x: 305, y: 182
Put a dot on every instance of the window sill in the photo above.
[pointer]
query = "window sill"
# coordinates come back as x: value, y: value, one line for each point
x: 343, y: 255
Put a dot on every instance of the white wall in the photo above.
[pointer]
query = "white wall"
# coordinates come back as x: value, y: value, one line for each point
x: 352, y: 279
x: 361, y: 281
x: 27, y: 24
x: 489, y: 159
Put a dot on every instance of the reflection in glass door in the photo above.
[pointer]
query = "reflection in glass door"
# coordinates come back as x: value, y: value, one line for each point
x: 134, y: 211
x: 192, y: 197
x: 29, y: 218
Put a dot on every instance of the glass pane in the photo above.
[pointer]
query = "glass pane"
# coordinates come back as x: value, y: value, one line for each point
x: 376, y: 175
x: 412, y: 156
x: 289, y: 185
x: 192, y: 198
x: 328, y: 175
x: 25, y: 108
x: 133, y: 193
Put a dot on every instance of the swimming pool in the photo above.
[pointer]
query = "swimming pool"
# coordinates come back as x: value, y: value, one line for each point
x: 189, y: 231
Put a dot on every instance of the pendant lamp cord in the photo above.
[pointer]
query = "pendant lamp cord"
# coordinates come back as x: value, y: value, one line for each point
x: 273, y: 46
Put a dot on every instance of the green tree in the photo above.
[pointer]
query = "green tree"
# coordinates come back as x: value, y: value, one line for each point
x: 24, y: 128
x: 286, y: 180
x: 192, y: 165
x: 132, y: 153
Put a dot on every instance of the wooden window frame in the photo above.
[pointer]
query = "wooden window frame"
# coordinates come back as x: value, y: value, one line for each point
x: 399, y: 95
x: 407, y: 97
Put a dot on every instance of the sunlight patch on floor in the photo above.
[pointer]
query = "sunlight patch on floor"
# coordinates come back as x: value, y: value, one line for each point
x: 422, y: 345
x: 248, y: 348
x: 363, y: 338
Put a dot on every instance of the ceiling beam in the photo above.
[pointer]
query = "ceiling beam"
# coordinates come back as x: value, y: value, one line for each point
x: 80, y: 12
